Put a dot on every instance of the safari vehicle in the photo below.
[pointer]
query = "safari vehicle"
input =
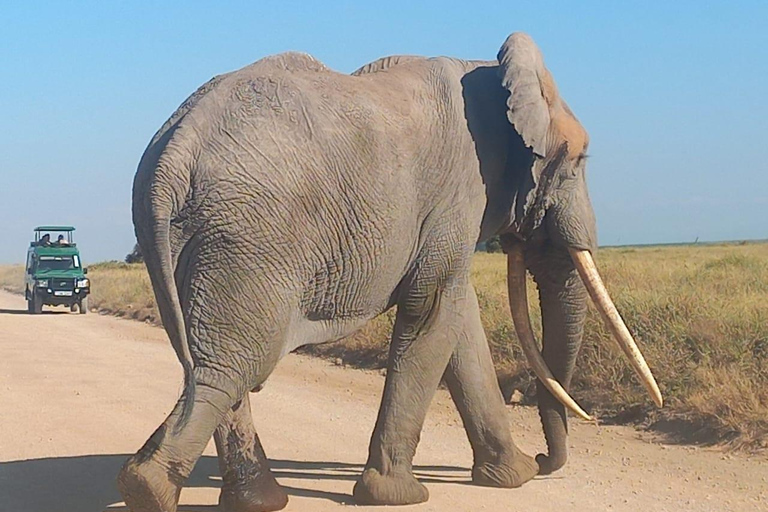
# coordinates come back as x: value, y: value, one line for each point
x: 54, y: 274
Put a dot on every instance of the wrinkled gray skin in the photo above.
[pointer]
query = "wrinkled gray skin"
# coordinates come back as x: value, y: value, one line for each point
x: 286, y: 204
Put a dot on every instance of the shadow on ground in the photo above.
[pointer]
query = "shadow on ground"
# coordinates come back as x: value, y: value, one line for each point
x: 87, y: 483
x: 4, y: 311
x: 672, y: 427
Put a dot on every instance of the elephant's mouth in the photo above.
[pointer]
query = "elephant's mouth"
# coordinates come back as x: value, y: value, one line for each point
x: 518, y: 303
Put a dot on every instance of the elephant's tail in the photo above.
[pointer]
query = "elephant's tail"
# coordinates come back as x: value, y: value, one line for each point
x: 152, y: 213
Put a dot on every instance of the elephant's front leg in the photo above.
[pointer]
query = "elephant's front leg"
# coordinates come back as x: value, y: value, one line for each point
x: 248, y: 484
x: 471, y: 380
x: 422, y: 342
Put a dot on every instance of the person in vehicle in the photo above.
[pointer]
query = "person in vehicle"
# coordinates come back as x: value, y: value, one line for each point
x: 60, y: 240
x: 45, y: 240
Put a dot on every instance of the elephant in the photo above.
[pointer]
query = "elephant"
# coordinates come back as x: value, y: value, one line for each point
x: 287, y: 204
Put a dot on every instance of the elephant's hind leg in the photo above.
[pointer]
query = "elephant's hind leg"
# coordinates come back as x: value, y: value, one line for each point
x: 151, y: 480
x: 248, y: 483
x: 471, y: 380
x: 422, y: 343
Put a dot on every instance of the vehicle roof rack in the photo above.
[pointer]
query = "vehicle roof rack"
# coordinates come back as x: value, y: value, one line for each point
x: 54, y: 228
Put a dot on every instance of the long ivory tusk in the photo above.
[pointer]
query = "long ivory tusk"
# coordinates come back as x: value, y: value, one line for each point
x: 588, y: 272
x: 518, y: 305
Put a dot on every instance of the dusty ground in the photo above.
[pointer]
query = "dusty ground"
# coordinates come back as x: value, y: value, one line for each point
x: 80, y: 393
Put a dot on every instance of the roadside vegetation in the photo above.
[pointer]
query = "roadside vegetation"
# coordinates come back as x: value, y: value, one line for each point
x: 699, y: 314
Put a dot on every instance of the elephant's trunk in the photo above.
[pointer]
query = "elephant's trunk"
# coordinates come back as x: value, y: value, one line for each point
x: 561, y: 277
x: 563, y: 300
x: 518, y: 305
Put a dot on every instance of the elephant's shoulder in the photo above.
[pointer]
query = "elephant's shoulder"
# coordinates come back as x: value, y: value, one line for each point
x: 385, y: 63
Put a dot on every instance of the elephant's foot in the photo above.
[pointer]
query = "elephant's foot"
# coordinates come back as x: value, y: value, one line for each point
x: 509, y: 472
x: 147, y: 487
x: 373, y: 488
x: 262, y: 494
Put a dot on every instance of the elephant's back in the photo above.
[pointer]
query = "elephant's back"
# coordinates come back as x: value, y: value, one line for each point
x: 295, y: 96
x: 289, y: 133
x: 288, y: 126
x: 316, y: 177
x: 294, y: 143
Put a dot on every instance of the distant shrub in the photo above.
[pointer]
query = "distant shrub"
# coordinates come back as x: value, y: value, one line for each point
x: 491, y: 245
x: 135, y: 255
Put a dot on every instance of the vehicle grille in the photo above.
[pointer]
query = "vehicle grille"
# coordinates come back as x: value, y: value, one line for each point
x: 62, y: 284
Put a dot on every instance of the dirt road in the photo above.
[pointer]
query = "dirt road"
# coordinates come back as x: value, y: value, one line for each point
x: 80, y: 393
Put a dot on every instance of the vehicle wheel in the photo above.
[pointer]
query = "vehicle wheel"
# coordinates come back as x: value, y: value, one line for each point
x: 73, y: 307
x: 83, y: 306
x: 37, y: 304
x: 30, y: 306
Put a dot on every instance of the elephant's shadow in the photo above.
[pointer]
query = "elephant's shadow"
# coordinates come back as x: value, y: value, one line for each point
x: 87, y: 483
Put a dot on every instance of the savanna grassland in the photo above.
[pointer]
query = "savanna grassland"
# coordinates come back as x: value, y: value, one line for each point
x: 699, y: 314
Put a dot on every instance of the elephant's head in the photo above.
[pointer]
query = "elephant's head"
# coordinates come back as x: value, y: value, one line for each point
x: 550, y: 230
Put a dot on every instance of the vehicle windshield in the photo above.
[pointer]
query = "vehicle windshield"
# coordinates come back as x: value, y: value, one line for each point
x: 58, y: 263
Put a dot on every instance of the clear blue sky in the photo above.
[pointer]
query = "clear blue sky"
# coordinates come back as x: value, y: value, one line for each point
x: 674, y: 95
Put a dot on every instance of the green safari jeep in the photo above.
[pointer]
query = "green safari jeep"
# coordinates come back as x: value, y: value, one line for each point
x: 54, y: 274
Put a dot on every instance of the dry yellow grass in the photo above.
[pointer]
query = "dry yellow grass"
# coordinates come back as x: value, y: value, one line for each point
x: 12, y: 278
x: 124, y: 290
x: 699, y: 314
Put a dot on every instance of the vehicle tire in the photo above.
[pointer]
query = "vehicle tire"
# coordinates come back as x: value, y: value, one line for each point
x: 73, y: 307
x: 37, y: 304
x: 30, y: 306
x: 83, y: 306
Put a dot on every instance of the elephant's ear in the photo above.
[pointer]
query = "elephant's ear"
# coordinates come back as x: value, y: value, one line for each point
x: 543, y: 122
x: 532, y: 91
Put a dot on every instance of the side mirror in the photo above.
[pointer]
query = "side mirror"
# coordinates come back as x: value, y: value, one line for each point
x: 85, y: 270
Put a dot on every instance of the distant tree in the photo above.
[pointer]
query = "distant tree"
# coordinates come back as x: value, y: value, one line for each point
x: 135, y: 255
x: 493, y: 244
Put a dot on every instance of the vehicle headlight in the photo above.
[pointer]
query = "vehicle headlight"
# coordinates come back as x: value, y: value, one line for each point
x: 42, y: 283
x: 83, y: 283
